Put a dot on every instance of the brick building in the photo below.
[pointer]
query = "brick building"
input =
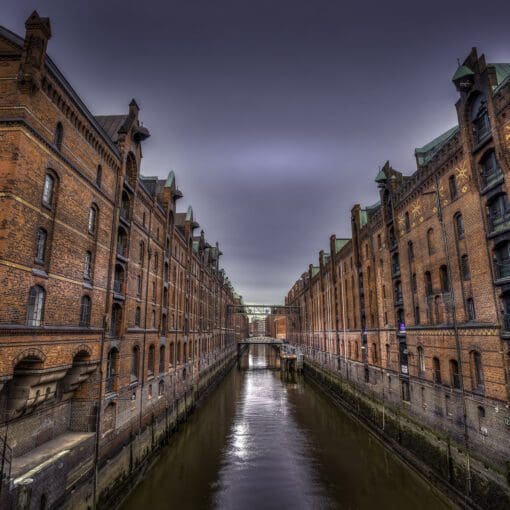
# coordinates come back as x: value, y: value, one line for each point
x: 276, y: 326
x: 415, y: 307
x: 113, y: 308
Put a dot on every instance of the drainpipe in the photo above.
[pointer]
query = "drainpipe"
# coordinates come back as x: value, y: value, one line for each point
x: 113, y: 249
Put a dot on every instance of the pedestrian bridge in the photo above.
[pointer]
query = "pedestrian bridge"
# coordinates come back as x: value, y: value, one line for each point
x: 261, y: 340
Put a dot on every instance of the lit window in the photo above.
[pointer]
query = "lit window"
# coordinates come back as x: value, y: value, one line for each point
x: 35, y: 306
x: 49, y: 185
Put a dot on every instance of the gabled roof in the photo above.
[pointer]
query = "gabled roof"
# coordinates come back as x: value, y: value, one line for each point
x: 315, y: 270
x: 427, y: 152
x: 340, y: 243
x: 462, y: 72
x: 112, y: 124
x: 502, y: 73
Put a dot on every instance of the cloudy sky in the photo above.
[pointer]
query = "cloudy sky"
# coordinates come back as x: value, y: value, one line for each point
x: 275, y: 115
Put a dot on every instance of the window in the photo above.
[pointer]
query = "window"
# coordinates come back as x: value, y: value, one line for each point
x: 379, y: 241
x: 407, y: 222
x: 480, y: 119
x: 92, y: 220
x: 405, y: 391
x: 392, y: 238
x: 59, y: 136
x: 153, y: 319
x: 121, y: 242
x: 410, y: 251
x: 142, y: 253
x: 99, y: 175
x: 156, y: 261
x: 388, y: 358
x: 476, y: 370
x: 417, y: 315
x: 459, y: 226
x: 464, y: 267
x: 135, y: 363
x: 454, y: 373
x: 139, y: 285
x: 36, y: 299
x: 398, y: 292
x: 116, y: 319
x: 85, y: 311
x: 428, y: 284
x: 111, y: 370
x: 490, y: 169
x: 87, y: 265
x: 470, y: 309
x: 452, y: 185
x: 430, y: 241
x: 436, y: 367
x: 414, y: 283
x: 151, y: 360
x: 138, y: 315
x: 421, y: 361
x: 498, y: 212
x: 161, y: 388
x: 375, y: 357
x: 48, y: 190
x: 395, y: 264
x: 40, y: 248
x: 161, y: 359
x: 443, y: 277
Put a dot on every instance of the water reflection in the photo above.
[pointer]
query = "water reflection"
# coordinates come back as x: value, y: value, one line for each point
x: 263, y: 441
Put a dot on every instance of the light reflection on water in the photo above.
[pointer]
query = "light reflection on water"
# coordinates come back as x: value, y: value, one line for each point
x: 261, y: 442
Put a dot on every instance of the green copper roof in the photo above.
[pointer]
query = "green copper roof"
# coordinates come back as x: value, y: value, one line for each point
x: 426, y: 153
x: 170, y: 179
x: 502, y: 73
x: 381, y: 176
x: 315, y: 270
x: 462, y: 72
x: 340, y: 243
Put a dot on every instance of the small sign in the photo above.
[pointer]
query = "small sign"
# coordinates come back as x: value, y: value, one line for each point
x: 404, y: 369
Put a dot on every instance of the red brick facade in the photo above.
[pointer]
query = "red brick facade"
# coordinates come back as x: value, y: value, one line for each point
x: 111, y: 306
x: 416, y: 305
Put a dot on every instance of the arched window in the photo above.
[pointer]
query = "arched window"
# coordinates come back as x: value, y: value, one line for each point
x: 59, y: 136
x: 407, y: 221
x: 153, y: 319
x: 172, y: 355
x: 40, y: 246
x: 454, y: 373
x: 85, y: 309
x: 36, y: 298
x: 470, y: 309
x: 490, y: 169
x: 388, y: 356
x: 112, y: 362
x: 480, y: 119
x: 375, y: 357
x: 428, y: 283
x: 99, y: 175
x: 417, y: 315
x: 166, y: 272
x: 138, y: 317
x: 48, y: 190
x: 161, y: 359
x: 430, y: 241
x: 116, y: 319
x: 161, y: 388
x: 438, y: 310
x: 452, y: 185
x: 398, y: 296
x: 476, y: 370
x: 125, y: 206
x: 92, y: 224
x: 121, y: 242
x: 156, y: 262
x: 139, y: 285
x: 392, y: 238
x: 443, y: 277
x: 118, y: 279
x: 421, y: 361
x: 135, y: 363
x: 436, y: 370
x: 464, y: 267
x: 459, y: 226
x: 151, y: 360
x: 87, y: 265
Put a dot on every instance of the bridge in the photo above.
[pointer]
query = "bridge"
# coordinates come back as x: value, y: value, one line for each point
x: 261, y: 340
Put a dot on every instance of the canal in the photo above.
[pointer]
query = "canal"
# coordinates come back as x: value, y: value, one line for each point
x: 263, y: 442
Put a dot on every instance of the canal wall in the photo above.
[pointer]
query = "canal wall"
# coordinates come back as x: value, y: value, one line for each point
x: 120, y: 471
x: 467, y: 479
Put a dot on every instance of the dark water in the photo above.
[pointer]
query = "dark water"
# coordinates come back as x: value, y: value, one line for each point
x: 263, y: 442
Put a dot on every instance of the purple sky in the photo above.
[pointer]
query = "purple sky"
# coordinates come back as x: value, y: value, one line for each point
x: 275, y: 115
